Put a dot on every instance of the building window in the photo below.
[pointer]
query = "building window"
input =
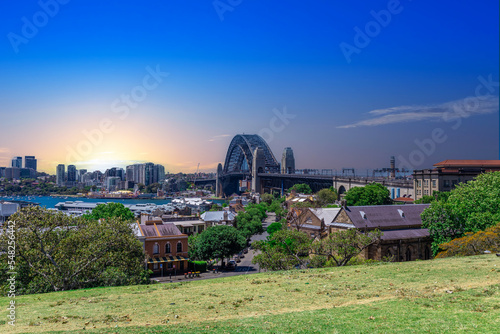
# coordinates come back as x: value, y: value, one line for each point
x: 181, y: 265
x: 156, y: 248
x: 179, y: 247
x: 426, y: 183
x: 170, y: 265
x: 167, y: 248
x: 446, y: 183
x: 454, y: 183
x: 434, y: 183
x: 155, y: 266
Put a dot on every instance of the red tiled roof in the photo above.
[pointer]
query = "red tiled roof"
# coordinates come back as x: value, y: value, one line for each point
x: 468, y: 163
x: 403, y: 199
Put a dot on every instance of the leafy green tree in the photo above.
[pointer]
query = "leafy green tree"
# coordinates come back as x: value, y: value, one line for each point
x: 219, y: 242
x: 436, y: 196
x: 326, y: 196
x: 57, y: 252
x: 249, y: 222
x: 215, y: 207
x: 250, y: 227
x: 111, y: 210
x: 371, y: 194
x: 285, y: 250
x: 425, y: 199
x: 267, y: 198
x: 302, y: 188
x: 153, y: 188
x: 470, y: 207
x: 276, y: 207
x: 192, y: 247
x: 274, y: 227
x: 343, y: 245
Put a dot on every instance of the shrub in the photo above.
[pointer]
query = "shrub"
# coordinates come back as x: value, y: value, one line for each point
x: 199, y: 265
x: 473, y: 243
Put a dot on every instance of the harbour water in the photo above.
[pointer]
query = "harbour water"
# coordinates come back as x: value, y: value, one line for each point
x: 50, y: 202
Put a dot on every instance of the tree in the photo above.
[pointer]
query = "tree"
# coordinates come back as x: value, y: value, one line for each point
x: 277, y: 208
x: 371, y: 194
x: 436, y: 196
x: 57, y: 252
x: 215, y: 207
x: 219, y: 242
x: 473, y: 243
x: 267, y: 198
x: 111, y: 210
x: 249, y: 222
x: 326, y: 196
x: 425, y: 199
x: 302, y: 188
x: 274, y: 227
x: 470, y: 207
x: 343, y: 245
x: 285, y: 250
x: 152, y: 188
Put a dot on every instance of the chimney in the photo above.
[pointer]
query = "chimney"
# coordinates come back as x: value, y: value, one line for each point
x: 343, y: 203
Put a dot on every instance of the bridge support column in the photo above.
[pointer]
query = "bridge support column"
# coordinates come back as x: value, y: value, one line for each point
x: 258, y: 166
x: 218, y: 186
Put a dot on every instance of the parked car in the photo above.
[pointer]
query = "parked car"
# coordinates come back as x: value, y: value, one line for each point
x: 231, y: 265
x: 237, y: 258
x: 245, y: 250
x: 240, y: 254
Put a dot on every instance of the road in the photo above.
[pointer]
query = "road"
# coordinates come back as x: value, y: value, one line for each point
x: 244, y: 267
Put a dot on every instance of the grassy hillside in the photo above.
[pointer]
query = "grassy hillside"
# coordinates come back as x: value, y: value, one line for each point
x: 438, y: 296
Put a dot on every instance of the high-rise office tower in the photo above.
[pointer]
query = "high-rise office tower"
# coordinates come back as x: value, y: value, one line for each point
x: 71, y: 173
x: 17, y: 162
x: 30, y: 162
x: 60, y: 175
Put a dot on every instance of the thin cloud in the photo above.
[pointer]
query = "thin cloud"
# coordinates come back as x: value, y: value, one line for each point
x: 445, y: 111
x: 214, y: 138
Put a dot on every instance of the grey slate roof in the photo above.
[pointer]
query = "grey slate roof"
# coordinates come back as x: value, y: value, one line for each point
x: 386, y: 216
x: 327, y: 214
x: 405, y: 234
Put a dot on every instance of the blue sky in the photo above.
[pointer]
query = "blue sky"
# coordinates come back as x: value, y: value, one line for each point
x: 233, y: 75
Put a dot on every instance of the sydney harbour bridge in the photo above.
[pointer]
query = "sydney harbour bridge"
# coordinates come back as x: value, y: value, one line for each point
x: 250, y: 160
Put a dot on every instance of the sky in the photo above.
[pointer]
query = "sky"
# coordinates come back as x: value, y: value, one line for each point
x: 344, y: 83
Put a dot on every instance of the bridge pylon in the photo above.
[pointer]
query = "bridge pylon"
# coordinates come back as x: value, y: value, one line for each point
x: 258, y: 166
x: 218, y: 181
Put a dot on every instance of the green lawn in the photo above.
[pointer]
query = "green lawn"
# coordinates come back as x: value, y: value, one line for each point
x: 438, y: 296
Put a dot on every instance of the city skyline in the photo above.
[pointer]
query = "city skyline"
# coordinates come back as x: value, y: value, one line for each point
x: 344, y: 85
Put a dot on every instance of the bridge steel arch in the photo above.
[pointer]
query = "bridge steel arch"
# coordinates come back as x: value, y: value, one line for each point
x: 239, y: 156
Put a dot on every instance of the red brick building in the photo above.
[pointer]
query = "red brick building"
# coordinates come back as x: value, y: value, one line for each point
x: 165, y: 245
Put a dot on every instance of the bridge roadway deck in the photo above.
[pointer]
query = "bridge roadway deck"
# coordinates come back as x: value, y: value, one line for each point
x: 355, y: 180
